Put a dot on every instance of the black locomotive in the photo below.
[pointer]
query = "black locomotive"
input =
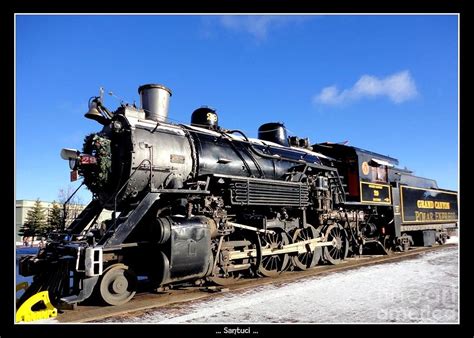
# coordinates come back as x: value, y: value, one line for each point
x: 199, y: 203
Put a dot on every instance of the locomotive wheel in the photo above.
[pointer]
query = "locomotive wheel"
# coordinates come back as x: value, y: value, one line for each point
x: 441, y: 240
x: 335, y: 254
x: 220, y: 279
x: 273, y: 265
x: 220, y: 275
x: 388, y: 244
x: 308, y: 259
x: 117, y: 285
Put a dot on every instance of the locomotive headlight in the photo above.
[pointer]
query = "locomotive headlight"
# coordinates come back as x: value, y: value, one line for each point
x: 117, y: 126
x: 71, y: 155
x: 73, y: 163
x: 68, y: 153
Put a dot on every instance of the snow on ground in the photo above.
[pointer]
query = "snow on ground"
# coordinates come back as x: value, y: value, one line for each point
x: 419, y: 290
x: 452, y: 240
x: 41, y: 321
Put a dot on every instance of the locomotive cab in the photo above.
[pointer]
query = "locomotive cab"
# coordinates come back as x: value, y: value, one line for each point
x: 360, y: 168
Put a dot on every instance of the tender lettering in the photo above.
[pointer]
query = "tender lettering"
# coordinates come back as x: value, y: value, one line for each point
x: 442, y: 205
x: 421, y: 216
x: 424, y: 204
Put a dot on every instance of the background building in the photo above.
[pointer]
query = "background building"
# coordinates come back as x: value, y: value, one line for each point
x: 23, y: 206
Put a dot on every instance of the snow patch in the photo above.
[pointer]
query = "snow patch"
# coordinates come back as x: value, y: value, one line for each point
x: 42, y: 321
x: 452, y: 240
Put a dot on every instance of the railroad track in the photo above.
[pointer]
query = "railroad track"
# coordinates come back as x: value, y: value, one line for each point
x: 146, y: 301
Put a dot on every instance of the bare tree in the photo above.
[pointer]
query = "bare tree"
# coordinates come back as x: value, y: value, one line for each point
x: 73, y: 207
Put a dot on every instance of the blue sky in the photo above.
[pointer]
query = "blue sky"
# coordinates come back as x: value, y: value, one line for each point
x: 384, y: 83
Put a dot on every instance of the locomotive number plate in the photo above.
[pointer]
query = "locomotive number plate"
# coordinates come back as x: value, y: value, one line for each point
x: 176, y: 158
x: 375, y: 193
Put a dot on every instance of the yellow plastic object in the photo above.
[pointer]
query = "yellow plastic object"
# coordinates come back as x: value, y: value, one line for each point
x: 26, y: 314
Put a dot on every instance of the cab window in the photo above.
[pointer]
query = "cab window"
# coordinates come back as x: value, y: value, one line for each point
x: 379, y: 173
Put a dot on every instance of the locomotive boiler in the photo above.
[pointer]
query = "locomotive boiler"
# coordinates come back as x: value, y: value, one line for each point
x: 200, y: 203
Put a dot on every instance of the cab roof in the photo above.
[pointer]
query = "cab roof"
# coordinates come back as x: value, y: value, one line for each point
x: 338, y: 149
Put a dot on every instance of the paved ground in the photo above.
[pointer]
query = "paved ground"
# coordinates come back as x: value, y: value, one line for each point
x: 419, y: 290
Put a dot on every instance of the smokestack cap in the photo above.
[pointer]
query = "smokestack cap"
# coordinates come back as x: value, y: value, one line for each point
x: 153, y: 85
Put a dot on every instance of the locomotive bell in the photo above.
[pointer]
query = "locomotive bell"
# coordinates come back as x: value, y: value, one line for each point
x: 205, y: 117
x: 154, y: 100
x: 94, y: 114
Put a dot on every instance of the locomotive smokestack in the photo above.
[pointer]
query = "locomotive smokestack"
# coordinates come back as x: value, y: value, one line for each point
x: 155, y: 100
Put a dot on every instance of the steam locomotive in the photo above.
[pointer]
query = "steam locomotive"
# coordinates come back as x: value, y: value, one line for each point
x: 202, y: 204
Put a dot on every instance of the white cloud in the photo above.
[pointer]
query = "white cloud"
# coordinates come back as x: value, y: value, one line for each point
x: 258, y: 25
x: 398, y: 87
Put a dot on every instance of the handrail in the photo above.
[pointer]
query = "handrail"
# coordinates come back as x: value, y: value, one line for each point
x: 341, y: 187
x: 67, y: 202
x: 125, y: 184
